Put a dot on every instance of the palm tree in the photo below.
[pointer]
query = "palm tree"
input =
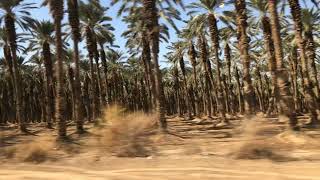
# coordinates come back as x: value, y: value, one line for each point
x: 310, y: 18
x: 176, y: 56
x: 263, y: 22
x: 282, y: 89
x: 94, y: 24
x: 136, y: 36
x: 240, y: 6
x: 40, y: 41
x: 74, y: 22
x: 12, y: 12
x: 103, y: 39
x: 192, y: 54
x: 115, y: 64
x: 308, y: 89
x: 151, y: 16
x: 7, y: 53
x: 210, y: 20
x: 57, y: 11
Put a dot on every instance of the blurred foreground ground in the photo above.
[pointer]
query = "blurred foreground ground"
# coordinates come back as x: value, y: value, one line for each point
x: 258, y: 149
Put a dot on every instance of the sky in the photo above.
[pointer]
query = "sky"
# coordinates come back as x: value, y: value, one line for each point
x: 120, y: 27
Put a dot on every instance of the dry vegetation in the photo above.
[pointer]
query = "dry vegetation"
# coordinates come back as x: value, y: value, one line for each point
x: 121, y: 136
x: 128, y: 134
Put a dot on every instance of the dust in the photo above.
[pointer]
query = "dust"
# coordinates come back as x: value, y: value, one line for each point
x: 265, y: 141
x: 36, y: 151
x: 128, y: 134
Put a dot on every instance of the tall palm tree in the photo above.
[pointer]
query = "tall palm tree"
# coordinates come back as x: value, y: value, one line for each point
x: 7, y: 61
x: 196, y: 29
x: 240, y: 6
x: 263, y: 22
x: 308, y: 89
x: 57, y: 11
x: 138, y: 44
x: 310, y: 19
x: 282, y: 89
x: 151, y: 15
x: 210, y: 20
x: 103, y: 39
x: 12, y: 12
x: 40, y: 41
x: 94, y: 23
x: 74, y: 22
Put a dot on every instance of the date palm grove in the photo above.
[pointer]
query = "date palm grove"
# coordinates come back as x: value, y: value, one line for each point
x: 229, y: 58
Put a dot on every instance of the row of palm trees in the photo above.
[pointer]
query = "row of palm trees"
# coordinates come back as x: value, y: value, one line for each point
x: 237, y: 61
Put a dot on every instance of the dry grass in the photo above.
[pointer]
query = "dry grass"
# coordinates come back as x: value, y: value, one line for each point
x: 128, y: 134
x: 37, y: 151
x: 263, y: 141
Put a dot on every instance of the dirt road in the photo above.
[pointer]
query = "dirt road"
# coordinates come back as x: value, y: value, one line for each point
x: 183, y: 168
x: 198, y: 152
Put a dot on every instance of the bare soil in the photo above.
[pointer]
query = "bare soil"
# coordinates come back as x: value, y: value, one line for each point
x: 194, y: 149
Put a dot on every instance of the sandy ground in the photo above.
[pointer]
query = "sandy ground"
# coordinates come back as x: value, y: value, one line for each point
x: 259, y: 149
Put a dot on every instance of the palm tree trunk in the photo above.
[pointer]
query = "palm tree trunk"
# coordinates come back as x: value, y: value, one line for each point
x: 101, y: 98
x: 8, y: 60
x: 49, y: 83
x: 105, y: 69
x: 311, y: 54
x: 150, y: 75
x: 192, y: 56
x: 249, y: 102
x: 185, y: 88
x: 73, y: 11
x: 151, y: 17
x: 239, y: 87
x: 12, y: 37
x: 214, y: 33
x: 94, y: 87
x: 294, y: 76
x: 208, y: 81
x: 310, y: 97
x: 56, y: 7
x: 268, y: 42
x: 227, y: 55
x: 282, y: 89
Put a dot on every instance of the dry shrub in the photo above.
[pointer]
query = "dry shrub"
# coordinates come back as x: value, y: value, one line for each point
x: 261, y: 150
x: 36, y: 155
x: 297, y: 140
x: 36, y: 151
x: 256, y: 145
x: 128, y: 134
x: 9, y: 152
x: 263, y: 141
